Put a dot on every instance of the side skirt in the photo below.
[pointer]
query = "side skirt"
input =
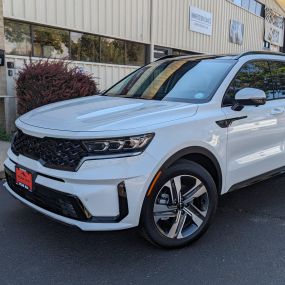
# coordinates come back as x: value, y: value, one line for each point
x: 258, y: 178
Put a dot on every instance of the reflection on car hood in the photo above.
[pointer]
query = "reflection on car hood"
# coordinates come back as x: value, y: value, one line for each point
x: 101, y: 113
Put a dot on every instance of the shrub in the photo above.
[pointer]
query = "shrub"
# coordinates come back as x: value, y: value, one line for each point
x: 4, y: 136
x: 43, y: 82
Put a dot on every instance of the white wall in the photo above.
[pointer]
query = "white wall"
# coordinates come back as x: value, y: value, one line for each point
x: 104, y: 74
x: 172, y: 18
x: 126, y: 19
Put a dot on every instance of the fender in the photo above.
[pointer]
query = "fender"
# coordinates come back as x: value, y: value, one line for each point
x: 196, y: 150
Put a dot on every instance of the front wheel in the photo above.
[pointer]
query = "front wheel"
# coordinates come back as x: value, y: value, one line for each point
x: 180, y: 207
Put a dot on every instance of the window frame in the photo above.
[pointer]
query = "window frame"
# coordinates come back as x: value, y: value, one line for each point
x: 252, y: 60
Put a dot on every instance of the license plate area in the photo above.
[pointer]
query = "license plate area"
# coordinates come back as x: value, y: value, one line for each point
x: 24, y: 178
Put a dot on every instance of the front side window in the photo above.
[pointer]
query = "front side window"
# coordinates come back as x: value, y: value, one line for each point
x: 253, y: 75
x: 184, y: 80
x: 278, y: 78
x: 49, y: 42
x: 17, y: 38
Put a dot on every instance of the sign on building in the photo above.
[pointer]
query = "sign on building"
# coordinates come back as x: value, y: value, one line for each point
x: 274, y: 28
x: 200, y: 21
x: 236, y: 32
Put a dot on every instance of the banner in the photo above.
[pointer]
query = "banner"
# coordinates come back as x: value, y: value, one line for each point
x: 274, y: 28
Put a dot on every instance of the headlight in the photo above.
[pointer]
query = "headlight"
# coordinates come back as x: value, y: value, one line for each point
x: 118, y: 146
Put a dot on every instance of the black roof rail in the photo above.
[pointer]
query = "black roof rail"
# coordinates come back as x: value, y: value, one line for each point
x: 200, y: 55
x: 167, y: 56
x: 259, y: 52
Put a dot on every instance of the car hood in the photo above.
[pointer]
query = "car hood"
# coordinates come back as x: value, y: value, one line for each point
x: 101, y: 113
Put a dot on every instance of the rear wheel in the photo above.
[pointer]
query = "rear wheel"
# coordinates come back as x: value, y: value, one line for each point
x: 180, y: 207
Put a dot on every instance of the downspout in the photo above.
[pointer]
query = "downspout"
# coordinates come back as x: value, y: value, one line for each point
x: 151, y: 32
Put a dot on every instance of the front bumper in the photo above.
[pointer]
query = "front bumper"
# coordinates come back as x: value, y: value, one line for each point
x: 87, y: 199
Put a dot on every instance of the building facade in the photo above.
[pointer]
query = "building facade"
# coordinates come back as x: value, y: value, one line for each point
x: 111, y: 38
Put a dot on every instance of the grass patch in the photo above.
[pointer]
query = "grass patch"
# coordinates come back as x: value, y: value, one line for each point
x: 4, y: 136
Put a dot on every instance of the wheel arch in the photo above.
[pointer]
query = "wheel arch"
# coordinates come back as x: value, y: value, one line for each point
x: 202, y: 156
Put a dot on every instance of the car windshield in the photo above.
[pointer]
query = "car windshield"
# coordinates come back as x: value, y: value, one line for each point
x: 180, y: 79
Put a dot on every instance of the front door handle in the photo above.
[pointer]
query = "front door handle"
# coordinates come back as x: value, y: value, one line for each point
x: 277, y: 111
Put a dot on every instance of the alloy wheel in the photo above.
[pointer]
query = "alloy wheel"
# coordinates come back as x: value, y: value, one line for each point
x: 181, y: 206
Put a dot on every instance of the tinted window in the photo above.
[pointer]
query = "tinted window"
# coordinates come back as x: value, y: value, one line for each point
x: 50, y: 42
x: 278, y: 78
x: 185, y: 80
x: 112, y: 51
x: 17, y: 38
x: 84, y: 47
x: 253, y: 75
x: 135, y: 54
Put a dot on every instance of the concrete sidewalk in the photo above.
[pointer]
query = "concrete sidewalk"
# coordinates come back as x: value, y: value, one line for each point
x: 4, y: 146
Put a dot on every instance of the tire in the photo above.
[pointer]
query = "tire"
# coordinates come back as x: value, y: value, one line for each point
x: 172, y: 218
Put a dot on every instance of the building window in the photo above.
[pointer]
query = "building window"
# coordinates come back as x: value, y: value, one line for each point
x: 49, y: 42
x: 17, y: 38
x: 135, y: 54
x: 251, y: 5
x: 35, y: 40
x: 84, y: 47
x: 112, y: 51
x: 245, y: 4
x: 237, y: 2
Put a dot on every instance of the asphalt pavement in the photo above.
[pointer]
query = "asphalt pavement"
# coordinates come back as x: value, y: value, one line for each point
x: 245, y: 245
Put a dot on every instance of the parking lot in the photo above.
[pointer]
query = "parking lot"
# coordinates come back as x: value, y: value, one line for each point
x: 245, y: 245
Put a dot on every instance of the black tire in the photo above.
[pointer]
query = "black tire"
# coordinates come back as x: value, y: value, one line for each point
x: 148, y: 226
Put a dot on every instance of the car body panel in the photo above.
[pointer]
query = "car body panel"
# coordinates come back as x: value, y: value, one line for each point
x: 101, y: 113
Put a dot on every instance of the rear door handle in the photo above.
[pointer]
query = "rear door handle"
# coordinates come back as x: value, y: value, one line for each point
x: 277, y: 111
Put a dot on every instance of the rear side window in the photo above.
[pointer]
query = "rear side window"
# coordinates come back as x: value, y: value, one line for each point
x: 278, y: 78
x: 255, y: 74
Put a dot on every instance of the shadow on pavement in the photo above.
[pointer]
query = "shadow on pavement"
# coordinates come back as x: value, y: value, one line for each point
x: 245, y: 240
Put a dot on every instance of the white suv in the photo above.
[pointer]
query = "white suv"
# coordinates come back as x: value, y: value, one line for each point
x: 157, y: 149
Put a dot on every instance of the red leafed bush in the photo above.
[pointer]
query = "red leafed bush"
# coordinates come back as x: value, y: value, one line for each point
x: 43, y: 82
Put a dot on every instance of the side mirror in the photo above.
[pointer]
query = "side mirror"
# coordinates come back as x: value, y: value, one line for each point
x: 249, y: 97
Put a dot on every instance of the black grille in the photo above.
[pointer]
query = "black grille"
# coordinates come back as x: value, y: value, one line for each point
x: 52, y: 153
x: 51, y: 200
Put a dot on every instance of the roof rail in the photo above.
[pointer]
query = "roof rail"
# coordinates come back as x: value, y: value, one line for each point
x: 167, y: 56
x: 259, y: 52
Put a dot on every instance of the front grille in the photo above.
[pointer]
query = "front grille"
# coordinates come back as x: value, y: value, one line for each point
x: 51, y: 200
x: 53, y: 153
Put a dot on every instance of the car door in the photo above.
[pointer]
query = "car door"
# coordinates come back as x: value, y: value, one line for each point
x: 256, y: 133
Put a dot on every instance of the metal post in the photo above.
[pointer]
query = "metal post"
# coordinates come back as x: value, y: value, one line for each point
x: 151, y: 31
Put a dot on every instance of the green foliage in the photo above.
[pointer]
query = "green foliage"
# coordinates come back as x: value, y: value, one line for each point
x: 4, y: 136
